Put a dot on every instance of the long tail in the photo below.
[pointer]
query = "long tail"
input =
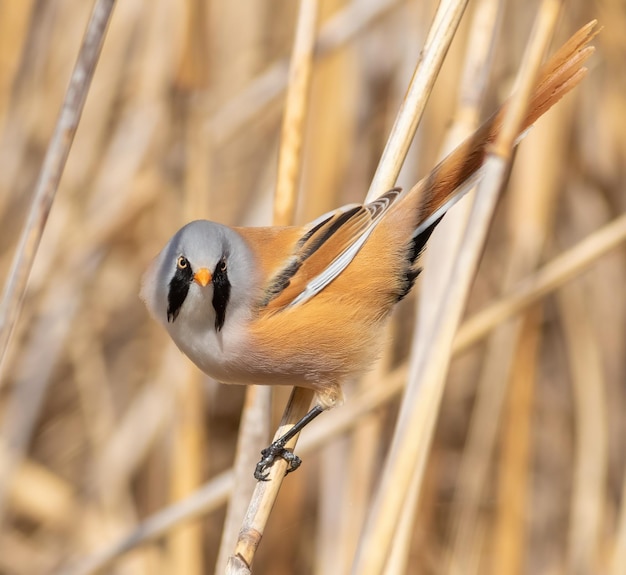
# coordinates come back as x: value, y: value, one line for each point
x: 446, y: 182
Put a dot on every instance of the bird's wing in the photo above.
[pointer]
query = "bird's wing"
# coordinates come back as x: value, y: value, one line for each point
x: 324, y: 250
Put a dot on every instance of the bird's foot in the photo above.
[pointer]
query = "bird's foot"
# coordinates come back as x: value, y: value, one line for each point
x: 270, y: 454
x: 278, y: 450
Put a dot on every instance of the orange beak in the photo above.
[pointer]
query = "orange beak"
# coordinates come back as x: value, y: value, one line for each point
x: 202, y: 276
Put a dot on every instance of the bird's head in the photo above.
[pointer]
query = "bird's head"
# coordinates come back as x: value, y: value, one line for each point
x: 202, y: 276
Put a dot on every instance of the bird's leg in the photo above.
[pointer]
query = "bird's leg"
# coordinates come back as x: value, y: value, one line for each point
x: 277, y: 448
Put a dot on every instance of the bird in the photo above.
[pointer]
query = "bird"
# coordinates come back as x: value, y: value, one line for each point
x: 305, y: 305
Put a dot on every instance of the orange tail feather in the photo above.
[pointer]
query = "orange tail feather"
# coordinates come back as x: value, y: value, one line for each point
x: 560, y: 74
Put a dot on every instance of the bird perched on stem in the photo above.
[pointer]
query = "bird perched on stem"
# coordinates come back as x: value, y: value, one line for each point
x: 304, y: 305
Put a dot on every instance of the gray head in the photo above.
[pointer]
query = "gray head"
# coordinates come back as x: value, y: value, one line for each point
x: 205, y: 273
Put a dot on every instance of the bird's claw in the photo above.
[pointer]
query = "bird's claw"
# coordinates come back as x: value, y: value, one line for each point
x: 270, y: 454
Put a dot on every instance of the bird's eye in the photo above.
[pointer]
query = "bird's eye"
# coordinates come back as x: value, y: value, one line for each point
x: 182, y: 263
x: 222, y: 265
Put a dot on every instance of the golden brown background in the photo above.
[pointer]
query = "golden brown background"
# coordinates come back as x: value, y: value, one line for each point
x: 103, y: 422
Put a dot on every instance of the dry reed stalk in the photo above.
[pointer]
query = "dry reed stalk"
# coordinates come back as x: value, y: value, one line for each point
x: 398, y: 561
x: 538, y: 169
x: 411, y: 444
x: 265, y: 492
x: 591, y: 453
x: 296, y: 106
x: 185, y: 545
x: 442, y: 30
x: 372, y: 440
x: 255, y: 517
x: 447, y: 236
x: 331, y: 126
x: 532, y: 203
x: 254, y: 429
x: 533, y: 182
x: 52, y: 169
x: 446, y: 239
x: 253, y: 434
x: 509, y: 527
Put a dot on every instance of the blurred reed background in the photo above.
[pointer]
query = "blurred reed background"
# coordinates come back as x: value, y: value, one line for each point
x: 105, y: 422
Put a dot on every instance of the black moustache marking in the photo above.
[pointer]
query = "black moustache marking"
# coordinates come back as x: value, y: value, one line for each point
x: 179, y: 288
x: 221, y: 293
